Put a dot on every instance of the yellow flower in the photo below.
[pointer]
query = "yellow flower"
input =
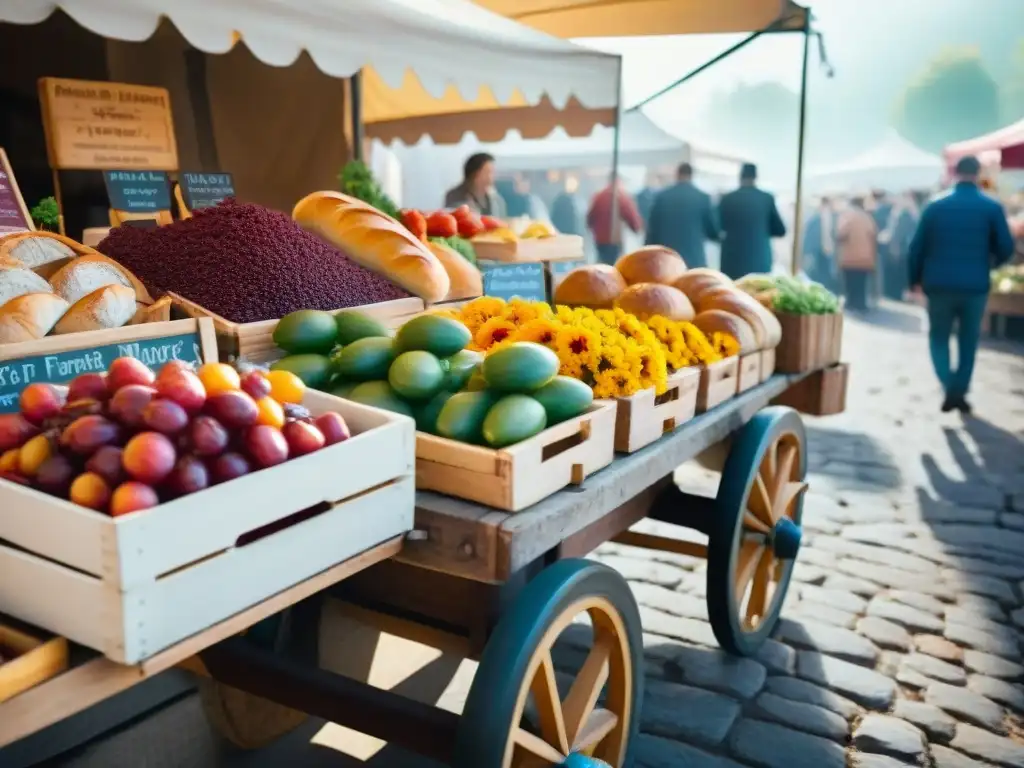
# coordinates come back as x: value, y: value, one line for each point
x: 493, y: 332
x: 519, y: 312
x: 564, y: 314
x: 725, y: 344
x: 614, y: 383
x: 479, y: 311
x: 699, y: 344
x: 540, y: 331
x: 577, y: 345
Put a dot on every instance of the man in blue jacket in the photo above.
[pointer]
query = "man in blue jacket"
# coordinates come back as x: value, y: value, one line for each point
x: 960, y: 238
x: 749, y: 220
x: 681, y: 218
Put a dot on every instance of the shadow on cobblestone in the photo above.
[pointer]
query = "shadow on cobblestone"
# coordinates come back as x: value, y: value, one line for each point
x: 902, y: 318
x: 855, y: 458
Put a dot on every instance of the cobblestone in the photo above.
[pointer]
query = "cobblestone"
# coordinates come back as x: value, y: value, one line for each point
x: 863, y: 685
x: 933, y: 721
x: 966, y: 705
x: 983, y: 745
x: 835, y: 641
x: 939, y: 647
x: 993, y: 666
x: 936, y: 669
x: 913, y: 619
x: 884, y: 633
x: 889, y: 736
x: 774, y: 746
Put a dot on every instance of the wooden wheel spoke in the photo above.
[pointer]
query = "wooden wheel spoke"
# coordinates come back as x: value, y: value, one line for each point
x: 747, y: 560
x: 760, y: 502
x: 781, y: 493
x: 549, y: 705
x: 582, y: 698
x: 531, y: 746
x: 600, y: 723
x: 752, y: 523
x: 759, y: 592
x: 785, y: 498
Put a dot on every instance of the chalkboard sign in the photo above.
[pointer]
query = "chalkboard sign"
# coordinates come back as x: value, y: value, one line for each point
x: 13, y: 214
x: 50, y: 361
x: 204, y: 190
x: 138, y: 191
x: 505, y: 281
x: 141, y: 223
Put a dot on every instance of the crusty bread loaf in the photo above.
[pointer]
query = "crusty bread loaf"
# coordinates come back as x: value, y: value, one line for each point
x: 648, y: 299
x: 764, y: 324
x: 720, y: 321
x: 595, y: 286
x: 651, y: 264
x: 42, y: 251
x: 694, y: 282
x: 16, y: 280
x: 374, y: 240
x: 466, y: 280
x: 109, y: 307
x: 30, y: 317
x: 80, y: 277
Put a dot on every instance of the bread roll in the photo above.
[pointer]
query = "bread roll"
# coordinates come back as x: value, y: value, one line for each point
x: 596, y: 286
x: 374, y: 240
x: 648, y: 299
x: 109, y: 307
x: 651, y: 264
x: 466, y: 280
x: 765, y: 325
x: 720, y: 321
x: 41, y: 251
x: 16, y: 280
x: 696, y: 281
x: 30, y: 317
x: 80, y: 277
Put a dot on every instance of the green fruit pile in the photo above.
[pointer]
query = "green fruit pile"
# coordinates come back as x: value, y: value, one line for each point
x: 426, y: 372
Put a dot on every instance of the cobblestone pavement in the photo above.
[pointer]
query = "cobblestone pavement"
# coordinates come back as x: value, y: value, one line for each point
x: 900, y: 639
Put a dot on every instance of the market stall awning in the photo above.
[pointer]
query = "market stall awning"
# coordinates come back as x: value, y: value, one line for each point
x: 620, y: 18
x: 465, y: 58
x: 1004, y: 147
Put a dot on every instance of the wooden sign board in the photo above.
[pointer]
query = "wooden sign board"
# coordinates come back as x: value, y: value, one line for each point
x: 138, y: 191
x: 58, y: 359
x: 505, y: 281
x: 204, y: 190
x: 14, y: 216
x: 95, y: 125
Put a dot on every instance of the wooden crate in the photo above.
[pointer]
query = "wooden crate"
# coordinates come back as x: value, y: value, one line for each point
x: 718, y: 383
x: 643, y: 418
x: 823, y: 393
x: 254, y: 341
x: 133, y: 585
x: 808, y: 342
x: 749, y: 372
x: 557, y: 248
x: 58, y: 359
x: 767, y: 363
x: 515, y: 477
x: 34, y: 661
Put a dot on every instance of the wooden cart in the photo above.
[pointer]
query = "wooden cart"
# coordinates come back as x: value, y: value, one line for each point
x: 502, y: 588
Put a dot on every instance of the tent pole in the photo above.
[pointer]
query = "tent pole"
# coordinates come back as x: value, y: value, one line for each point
x: 615, y: 154
x: 356, y: 113
x: 798, y: 207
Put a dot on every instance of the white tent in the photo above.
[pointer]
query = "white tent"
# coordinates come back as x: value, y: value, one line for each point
x: 894, y: 164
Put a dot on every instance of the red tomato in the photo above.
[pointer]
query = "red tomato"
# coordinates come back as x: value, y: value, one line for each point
x: 462, y: 212
x: 490, y: 223
x: 415, y: 222
x: 470, y: 226
x: 441, y: 224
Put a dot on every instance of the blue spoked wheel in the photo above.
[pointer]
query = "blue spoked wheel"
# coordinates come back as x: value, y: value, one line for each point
x: 517, y: 669
x: 755, y: 536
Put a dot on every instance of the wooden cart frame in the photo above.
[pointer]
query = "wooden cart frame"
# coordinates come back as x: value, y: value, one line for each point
x: 501, y: 587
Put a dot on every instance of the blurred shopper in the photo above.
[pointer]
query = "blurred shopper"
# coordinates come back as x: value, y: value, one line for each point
x: 682, y: 218
x: 607, y: 238
x: 961, y: 237
x: 819, y: 245
x: 566, y: 211
x: 645, y: 197
x: 477, y: 188
x: 857, y: 236
x: 881, y: 212
x: 749, y: 220
x: 896, y: 238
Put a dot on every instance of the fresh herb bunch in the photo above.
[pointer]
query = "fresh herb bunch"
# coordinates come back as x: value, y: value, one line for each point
x: 357, y: 181
x: 46, y: 214
x: 803, y: 298
x: 460, y: 245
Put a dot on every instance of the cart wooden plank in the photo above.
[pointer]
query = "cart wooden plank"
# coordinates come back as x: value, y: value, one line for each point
x: 477, y: 542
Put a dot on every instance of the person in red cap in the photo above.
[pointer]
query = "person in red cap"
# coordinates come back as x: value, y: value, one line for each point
x: 960, y: 238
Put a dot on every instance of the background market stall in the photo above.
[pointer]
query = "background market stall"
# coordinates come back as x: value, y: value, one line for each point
x: 893, y: 165
x: 1003, y: 148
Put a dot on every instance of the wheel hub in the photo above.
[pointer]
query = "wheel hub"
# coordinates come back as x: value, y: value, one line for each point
x: 785, y: 539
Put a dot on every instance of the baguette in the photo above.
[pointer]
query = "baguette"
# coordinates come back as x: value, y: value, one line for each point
x: 466, y: 280
x: 80, y: 277
x: 16, y: 280
x: 109, y: 307
x: 30, y: 317
x: 375, y: 241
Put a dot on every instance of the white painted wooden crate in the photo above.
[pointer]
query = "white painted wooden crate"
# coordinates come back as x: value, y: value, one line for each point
x: 132, y: 586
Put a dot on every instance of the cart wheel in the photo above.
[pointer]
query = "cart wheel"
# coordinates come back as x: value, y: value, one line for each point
x: 755, y: 534
x: 246, y: 721
x: 517, y: 663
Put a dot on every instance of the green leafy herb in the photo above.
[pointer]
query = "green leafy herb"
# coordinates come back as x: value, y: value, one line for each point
x: 799, y: 298
x: 460, y: 245
x: 46, y: 214
x: 357, y: 181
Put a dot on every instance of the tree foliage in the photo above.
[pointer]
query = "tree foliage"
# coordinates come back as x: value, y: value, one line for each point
x: 1013, y: 89
x: 953, y: 98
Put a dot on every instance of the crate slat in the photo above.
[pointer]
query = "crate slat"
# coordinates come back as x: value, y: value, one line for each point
x: 749, y: 374
x: 718, y: 383
x: 643, y: 418
x: 767, y: 363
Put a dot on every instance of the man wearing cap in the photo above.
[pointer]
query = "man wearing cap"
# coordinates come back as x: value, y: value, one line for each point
x: 682, y: 217
x: 960, y: 238
x: 749, y: 220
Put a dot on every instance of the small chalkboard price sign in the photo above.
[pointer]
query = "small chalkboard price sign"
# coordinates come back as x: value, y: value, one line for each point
x: 14, y: 215
x: 204, y: 190
x: 505, y: 281
x: 138, y: 191
x: 58, y: 359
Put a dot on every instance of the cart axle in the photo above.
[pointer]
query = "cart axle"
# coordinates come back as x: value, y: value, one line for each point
x: 785, y: 539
